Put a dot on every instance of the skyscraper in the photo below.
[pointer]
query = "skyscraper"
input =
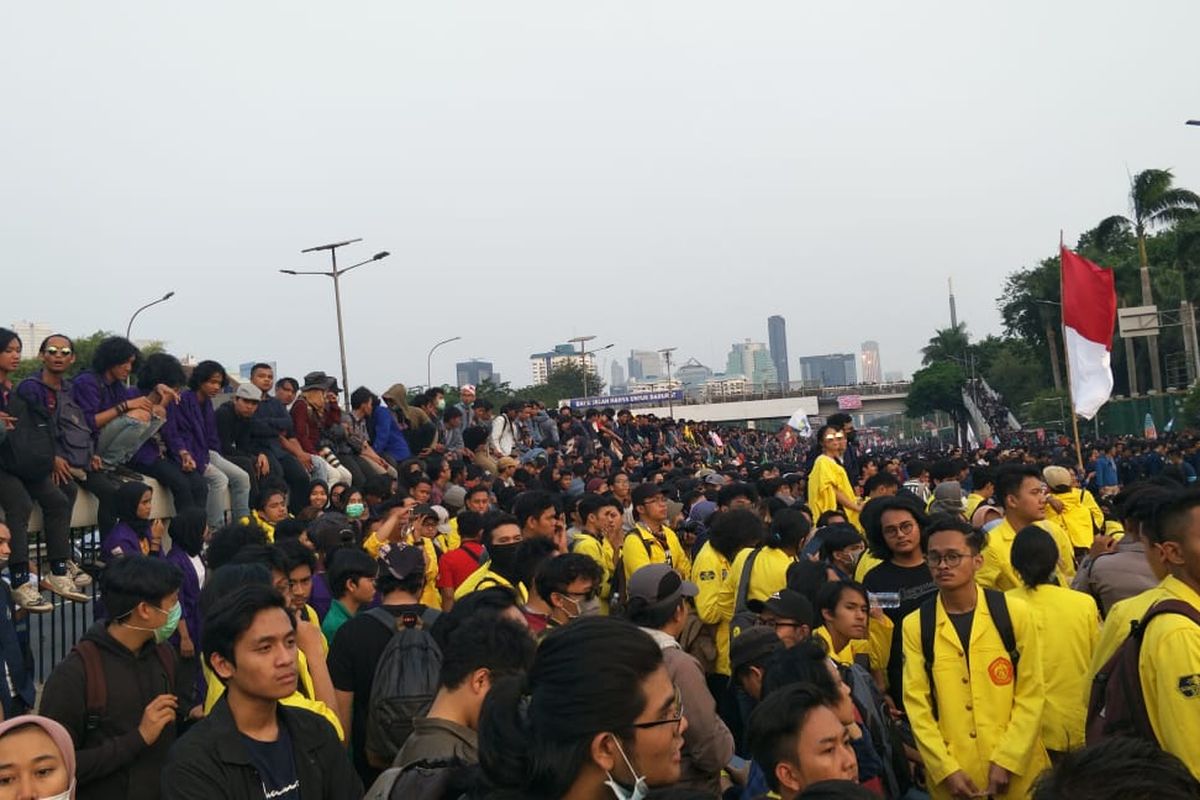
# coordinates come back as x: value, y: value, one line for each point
x: 475, y: 372
x: 872, y: 372
x: 777, y: 340
x: 833, y: 369
x: 644, y: 364
x: 616, y: 378
x: 542, y: 364
x: 753, y: 360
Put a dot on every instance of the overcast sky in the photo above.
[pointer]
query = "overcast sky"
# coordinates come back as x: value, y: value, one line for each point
x: 654, y: 173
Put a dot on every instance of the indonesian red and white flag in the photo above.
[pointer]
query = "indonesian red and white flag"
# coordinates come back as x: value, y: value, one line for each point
x: 1089, y: 308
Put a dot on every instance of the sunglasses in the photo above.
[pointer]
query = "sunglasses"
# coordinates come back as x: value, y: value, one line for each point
x: 829, y: 436
x: 58, y: 351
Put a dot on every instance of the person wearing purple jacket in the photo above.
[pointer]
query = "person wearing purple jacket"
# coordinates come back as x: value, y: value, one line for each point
x: 135, y: 534
x: 165, y: 455
x: 188, y: 532
x: 197, y: 426
x: 121, y: 417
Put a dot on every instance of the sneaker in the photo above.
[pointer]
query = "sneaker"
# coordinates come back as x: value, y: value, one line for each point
x: 64, y: 586
x: 30, y: 599
x: 81, y: 578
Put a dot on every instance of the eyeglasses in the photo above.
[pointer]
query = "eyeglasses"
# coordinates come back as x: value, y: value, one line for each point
x: 903, y: 527
x: 950, y: 559
x: 675, y: 718
x: 58, y: 351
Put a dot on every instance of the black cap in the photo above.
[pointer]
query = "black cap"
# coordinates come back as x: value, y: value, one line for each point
x: 752, y: 644
x: 401, y: 561
x: 790, y: 604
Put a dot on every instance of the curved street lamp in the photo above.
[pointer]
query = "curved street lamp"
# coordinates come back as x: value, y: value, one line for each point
x: 429, y: 361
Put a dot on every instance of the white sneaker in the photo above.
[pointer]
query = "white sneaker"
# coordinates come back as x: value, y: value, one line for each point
x: 30, y: 599
x: 76, y: 573
x: 64, y: 586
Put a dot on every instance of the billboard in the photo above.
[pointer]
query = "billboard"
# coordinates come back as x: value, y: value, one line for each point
x: 616, y: 400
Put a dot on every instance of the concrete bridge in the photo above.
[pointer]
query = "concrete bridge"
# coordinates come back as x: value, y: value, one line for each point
x: 864, y: 400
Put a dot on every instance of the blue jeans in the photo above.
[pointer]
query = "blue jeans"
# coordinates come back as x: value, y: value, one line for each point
x: 122, y: 437
x: 219, y: 474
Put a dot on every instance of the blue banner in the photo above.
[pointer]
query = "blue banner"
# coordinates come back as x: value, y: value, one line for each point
x: 617, y: 400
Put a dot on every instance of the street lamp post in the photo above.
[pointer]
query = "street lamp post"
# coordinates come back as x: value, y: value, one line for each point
x: 582, y: 342
x: 163, y: 299
x: 666, y: 354
x: 429, y: 361
x: 336, y: 273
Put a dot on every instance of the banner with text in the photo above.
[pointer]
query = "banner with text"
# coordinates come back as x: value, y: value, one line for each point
x: 618, y: 400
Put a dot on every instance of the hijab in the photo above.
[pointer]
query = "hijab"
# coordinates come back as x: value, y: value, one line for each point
x: 128, y: 498
x: 57, y: 733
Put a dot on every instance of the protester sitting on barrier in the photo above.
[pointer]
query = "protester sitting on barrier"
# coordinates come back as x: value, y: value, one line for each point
x: 26, y: 474
x: 39, y: 759
x: 76, y: 464
x: 308, y: 420
x: 197, y: 426
x: 288, y: 460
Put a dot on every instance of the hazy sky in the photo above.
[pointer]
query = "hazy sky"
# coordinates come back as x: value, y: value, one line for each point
x: 654, y: 173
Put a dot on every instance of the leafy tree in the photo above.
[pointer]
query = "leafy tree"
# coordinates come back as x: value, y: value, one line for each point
x: 946, y: 344
x: 938, y: 387
x: 564, y: 382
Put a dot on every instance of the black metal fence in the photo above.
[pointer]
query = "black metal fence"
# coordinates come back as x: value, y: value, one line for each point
x: 50, y: 636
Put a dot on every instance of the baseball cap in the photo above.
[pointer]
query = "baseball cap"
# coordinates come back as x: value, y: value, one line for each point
x: 752, y: 644
x: 644, y: 491
x: 1057, y: 478
x: 443, y: 518
x: 716, y: 479
x: 658, y: 584
x: 467, y: 387
x: 948, y: 497
x: 401, y: 561
x: 248, y: 391
x: 455, y: 497
x: 790, y: 604
x: 423, y: 511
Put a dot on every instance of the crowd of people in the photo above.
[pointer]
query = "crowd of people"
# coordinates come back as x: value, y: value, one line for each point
x: 411, y: 598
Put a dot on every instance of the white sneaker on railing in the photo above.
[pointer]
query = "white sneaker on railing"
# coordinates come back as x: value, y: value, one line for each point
x: 76, y: 573
x: 30, y: 599
x: 64, y: 586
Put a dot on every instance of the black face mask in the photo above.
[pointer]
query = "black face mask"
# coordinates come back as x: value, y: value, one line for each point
x: 504, y: 559
x: 852, y: 437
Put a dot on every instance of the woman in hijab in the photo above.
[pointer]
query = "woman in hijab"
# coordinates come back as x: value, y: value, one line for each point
x: 188, y: 531
x: 318, y: 501
x: 39, y: 759
x: 134, y: 533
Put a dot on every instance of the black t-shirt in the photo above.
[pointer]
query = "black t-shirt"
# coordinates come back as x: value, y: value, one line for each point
x: 276, y: 765
x: 353, y: 657
x: 962, y: 625
x: 914, y: 585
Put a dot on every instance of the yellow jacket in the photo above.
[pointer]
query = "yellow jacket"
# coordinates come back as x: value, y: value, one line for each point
x: 483, y: 578
x: 997, y: 571
x: 301, y: 698
x: 1081, y: 517
x: 768, y: 575
x: 1115, y: 629
x: 1068, y: 624
x: 450, y: 540
x: 826, y: 476
x: 971, y: 505
x: 877, y: 647
x: 1169, y: 666
x: 430, y: 595
x: 985, y: 716
x: 713, y: 606
x: 641, y: 547
x: 866, y: 563
x: 600, y: 550
x: 255, y: 521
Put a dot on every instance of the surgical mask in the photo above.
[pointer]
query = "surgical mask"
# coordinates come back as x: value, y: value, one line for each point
x: 441, y: 404
x: 639, y: 790
x: 588, y: 608
x: 167, y: 629
x: 354, y: 510
x: 64, y: 795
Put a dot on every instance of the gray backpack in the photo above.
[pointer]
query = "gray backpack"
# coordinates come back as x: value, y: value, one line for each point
x: 406, y: 679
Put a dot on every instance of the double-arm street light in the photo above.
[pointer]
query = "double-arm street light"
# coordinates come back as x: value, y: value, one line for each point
x: 336, y: 273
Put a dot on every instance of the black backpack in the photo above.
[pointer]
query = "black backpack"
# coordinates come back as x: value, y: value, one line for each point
x: 1116, y: 704
x: 406, y: 679
x: 997, y: 607
x: 743, y: 617
x: 616, y: 596
x: 28, y: 450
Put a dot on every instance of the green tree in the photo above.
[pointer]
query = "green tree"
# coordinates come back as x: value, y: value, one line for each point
x: 564, y: 382
x: 938, y: 387
x: 946, y: 344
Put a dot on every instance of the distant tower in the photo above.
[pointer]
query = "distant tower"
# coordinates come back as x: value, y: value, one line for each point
x: 953, y: 310
x: 872, y: 371
x: 777, y: 341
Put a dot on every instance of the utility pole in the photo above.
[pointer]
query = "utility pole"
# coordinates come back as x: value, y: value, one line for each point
x: 666, y: 354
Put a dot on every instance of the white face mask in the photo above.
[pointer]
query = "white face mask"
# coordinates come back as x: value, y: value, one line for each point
x: 639, y: 790
x: 63, y: 796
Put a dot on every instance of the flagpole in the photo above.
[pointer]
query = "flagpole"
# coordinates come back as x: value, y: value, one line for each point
x: 1063, y: 330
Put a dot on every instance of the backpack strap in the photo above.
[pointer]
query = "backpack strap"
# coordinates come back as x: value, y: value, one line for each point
x: 739, y: 604
x: 383, y: 617
x: 998, y: 608
x: 1165, y: 607
x: 928, y: 619
x: 95, y: 687
x: 428, y: 617
x: 166, y: 657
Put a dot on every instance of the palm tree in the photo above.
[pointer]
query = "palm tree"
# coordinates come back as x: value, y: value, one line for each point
x: 947, y: 344
x: 1154, y: 203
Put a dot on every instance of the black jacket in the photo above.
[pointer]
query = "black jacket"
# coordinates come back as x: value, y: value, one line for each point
x: 113, y: 761
x: 211, y: 763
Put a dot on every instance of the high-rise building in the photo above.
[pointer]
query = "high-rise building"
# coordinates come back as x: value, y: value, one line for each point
x: 616, y: 378
x: 832, y: 369
x: 753, y: 360
x: 475, y: 372
x: 542, y: 364
x: 32, y: 335
x: 245, y: 367
x: 644, y: 364
x: 777, y: 340
x: 872, y: 372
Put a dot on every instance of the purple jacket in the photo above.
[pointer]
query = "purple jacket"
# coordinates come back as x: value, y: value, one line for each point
x: 93, y: 395
x: 167, y: 438
x: 189, y: 592
x: 196, y: 426
x: 321, y: 598
x: 122, y: 540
